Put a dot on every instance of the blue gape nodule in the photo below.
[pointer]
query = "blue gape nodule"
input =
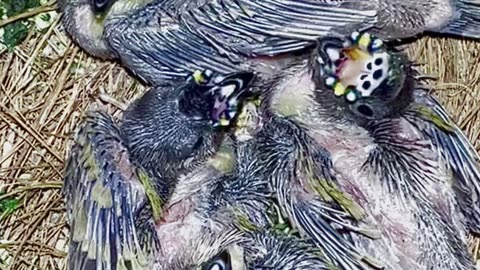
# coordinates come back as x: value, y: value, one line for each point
x: 165, y: 40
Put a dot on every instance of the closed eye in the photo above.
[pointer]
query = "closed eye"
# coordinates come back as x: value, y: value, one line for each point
x: 100, y: 6
x: 220, y: 262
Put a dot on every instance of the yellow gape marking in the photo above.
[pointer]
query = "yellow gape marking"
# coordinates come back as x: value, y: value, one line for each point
x: 365, y: 41
x: 356, y: 53
x: 339, y: 89
x: 224, y: 122
x: 198, y: 77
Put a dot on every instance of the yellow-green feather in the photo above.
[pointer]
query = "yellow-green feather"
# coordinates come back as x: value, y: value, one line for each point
x: 330, y: 192
x: 243, y: 222
x: 80, y: 227
x: 429, y: 115
x: 102, y: 195
x: 88, y: 161
x: 153, y: 197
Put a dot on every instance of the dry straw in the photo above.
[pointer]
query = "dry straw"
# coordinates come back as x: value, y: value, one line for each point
x: 48, y: 82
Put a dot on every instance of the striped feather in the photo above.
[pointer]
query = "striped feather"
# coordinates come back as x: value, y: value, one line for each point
x: 171, y: 38
x: 456, y: 150
x: 293, y: 163
x: 111, y: 223
x: 408, y: 172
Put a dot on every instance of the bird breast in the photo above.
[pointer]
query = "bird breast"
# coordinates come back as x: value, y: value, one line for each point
x: 350, y: 147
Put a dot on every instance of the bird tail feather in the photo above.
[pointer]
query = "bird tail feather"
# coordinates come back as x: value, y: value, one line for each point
x: 466, y: 20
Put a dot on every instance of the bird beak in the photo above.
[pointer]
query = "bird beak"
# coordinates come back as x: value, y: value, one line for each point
x: 229, y: 94
x: 345, y: 64
x: 355, y: 54
x: 248, y: 121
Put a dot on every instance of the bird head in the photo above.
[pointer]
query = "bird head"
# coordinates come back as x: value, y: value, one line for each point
x: 265, y: 249
x: 370, y: 79
x: 176, y: 128
x: 84, y: 20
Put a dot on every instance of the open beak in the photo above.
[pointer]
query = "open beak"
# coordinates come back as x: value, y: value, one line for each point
x: 356, y: 54
x: 353, y: 67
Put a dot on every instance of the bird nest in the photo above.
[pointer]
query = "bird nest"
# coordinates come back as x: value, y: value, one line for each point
x: 47, y: 83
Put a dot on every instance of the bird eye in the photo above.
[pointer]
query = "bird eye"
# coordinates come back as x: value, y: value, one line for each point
x: 198, y: 144
x: 365, y: 110
x: 100, y: 6
x: 219, y: 262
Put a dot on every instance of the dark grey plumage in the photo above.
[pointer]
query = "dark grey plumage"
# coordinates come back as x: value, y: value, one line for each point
x: 165, y: 40
x: 214, y: 212
x: 300, y: 176
x: 118, y: 178
x: 101, y: 184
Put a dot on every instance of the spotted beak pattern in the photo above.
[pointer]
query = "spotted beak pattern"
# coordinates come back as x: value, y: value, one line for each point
x: 355, y: 67
x: 227, y: 94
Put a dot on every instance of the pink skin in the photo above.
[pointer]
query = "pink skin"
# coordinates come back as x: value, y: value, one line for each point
x: 403, y: 241
x: 340, y: 63
x: 348, y: 155
x: 219, y: 109
x: 348, y: 70
x: 176, y: 229
x: 349, y: 148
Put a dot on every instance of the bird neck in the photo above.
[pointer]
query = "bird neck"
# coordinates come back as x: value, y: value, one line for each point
x: 292, y: 90
x: 124, y: 7
x: 224, y: 159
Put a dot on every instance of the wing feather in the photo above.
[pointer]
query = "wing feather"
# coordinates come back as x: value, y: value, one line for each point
x: 297, y: 171
x: 170, y: 39
x: 105, y: 200
x: 434, y: 122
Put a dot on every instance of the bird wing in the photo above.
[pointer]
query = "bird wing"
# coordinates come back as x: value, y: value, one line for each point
x: 107, y: 199
x: 171, y: 38
x: 301, y: 176
x: 456, y: 150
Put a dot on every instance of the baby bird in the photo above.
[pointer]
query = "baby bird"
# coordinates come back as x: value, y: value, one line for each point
x: 244, y: 249
x: 392, y: 147
x: 161, y: 41
x: 139, y: 196
x: 205, y: 215
x: 118, y: 178
x: 299, y: 175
